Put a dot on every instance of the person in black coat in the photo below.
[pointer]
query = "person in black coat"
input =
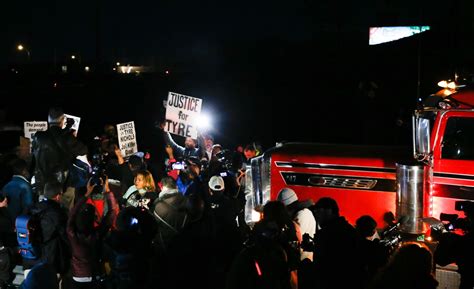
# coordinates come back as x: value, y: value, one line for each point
x: 55, y: 249
x: 7, y: 245
x: 410, y: 267
x: 128, y: 249
x: 54, y: 150
x: 337, y: 259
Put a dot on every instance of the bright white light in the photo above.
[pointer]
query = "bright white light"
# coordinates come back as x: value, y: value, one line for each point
x: 452, y: 85
x: 118, y: 63
x: 20, y: 47
x: 87, y: 68
x: 256, y: 216
x: 203, y: 121
x: 73, y: 56
x: 443, y: 84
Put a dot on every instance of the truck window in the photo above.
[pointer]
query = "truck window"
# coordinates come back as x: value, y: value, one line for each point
x: 458, y: 140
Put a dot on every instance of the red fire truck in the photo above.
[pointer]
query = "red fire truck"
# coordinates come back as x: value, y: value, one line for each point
x: 366, y: 180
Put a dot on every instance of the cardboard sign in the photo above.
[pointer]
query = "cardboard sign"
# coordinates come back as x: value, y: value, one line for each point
x: 182, y: 112
x: 77, y: 121
x: 127, y: 138
x: 31, y: 127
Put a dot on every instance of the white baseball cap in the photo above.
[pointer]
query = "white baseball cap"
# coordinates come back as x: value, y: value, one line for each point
x: 216, y: 183
x: 287, y: 196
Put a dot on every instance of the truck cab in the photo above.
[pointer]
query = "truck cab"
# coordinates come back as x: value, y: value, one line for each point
x: 363, y: 179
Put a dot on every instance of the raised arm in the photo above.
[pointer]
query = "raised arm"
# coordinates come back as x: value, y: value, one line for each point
x: 176, y: 147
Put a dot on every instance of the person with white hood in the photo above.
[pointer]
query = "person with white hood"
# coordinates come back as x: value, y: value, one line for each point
x: 300, y: 215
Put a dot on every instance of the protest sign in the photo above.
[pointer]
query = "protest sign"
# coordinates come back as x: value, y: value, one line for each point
x: 182, y: 113
x: 127, y: 138
x: 31, y: 127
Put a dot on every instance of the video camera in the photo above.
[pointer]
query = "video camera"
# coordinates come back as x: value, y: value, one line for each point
x: 307, y: 244
x: 225, y: 158
x: 391, y: 239
x: 452, y: 221
x: 178, y: 166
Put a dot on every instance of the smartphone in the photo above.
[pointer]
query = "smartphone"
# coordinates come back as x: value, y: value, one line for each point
x: 178, y: 166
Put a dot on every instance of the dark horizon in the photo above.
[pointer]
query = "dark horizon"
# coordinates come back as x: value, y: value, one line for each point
x: 268, y: 71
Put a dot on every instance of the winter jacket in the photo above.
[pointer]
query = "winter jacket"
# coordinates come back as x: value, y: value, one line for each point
x: 19, y: 194
x: 54, y: 151
x: 85, y: 249
x: 55, y: 249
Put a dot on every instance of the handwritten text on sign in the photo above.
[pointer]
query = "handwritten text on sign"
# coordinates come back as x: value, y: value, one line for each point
x: 127, y: 138
x: 182, y: 113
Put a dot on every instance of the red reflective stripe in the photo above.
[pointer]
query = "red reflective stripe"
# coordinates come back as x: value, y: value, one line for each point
x: 259, y: 272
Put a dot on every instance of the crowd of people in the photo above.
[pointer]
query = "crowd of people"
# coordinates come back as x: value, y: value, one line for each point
x: 95, y: 219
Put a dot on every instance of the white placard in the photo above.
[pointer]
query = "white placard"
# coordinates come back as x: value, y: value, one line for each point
x: 30, y: 127
x: 77, y: 121
x: 127, y: 138
x: 182, y: 113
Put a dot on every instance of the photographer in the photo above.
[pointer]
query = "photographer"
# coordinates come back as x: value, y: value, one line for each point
x: 300, y: 214
x: 270, y: 257
x: 223, y: 163
x: 457, y: 248
x: 85, y: 237
x: 189, y: 180
x: 52, y: 227
x: 337, y: 259
x: 375, y: 255
x: 127, y: 249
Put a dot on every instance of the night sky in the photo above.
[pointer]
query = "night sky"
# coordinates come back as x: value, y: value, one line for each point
x: 267, y: 70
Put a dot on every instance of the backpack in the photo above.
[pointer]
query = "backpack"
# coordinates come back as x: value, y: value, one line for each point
x: 171, y: 214
x: 28, y: 235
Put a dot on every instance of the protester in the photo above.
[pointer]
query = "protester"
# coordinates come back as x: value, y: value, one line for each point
x: 143, y: 192
x: 54, y: 150
x: 19, y: 191
x: 128, y: 170
x: 190, y: 148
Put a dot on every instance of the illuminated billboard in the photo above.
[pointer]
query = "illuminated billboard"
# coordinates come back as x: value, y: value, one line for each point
x: 379, y: 35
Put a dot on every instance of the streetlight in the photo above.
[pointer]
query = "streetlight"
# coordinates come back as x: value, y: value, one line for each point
x: 20, y: 47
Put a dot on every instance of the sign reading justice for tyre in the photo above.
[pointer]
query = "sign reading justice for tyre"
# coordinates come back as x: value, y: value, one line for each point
x: 182, y: 112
